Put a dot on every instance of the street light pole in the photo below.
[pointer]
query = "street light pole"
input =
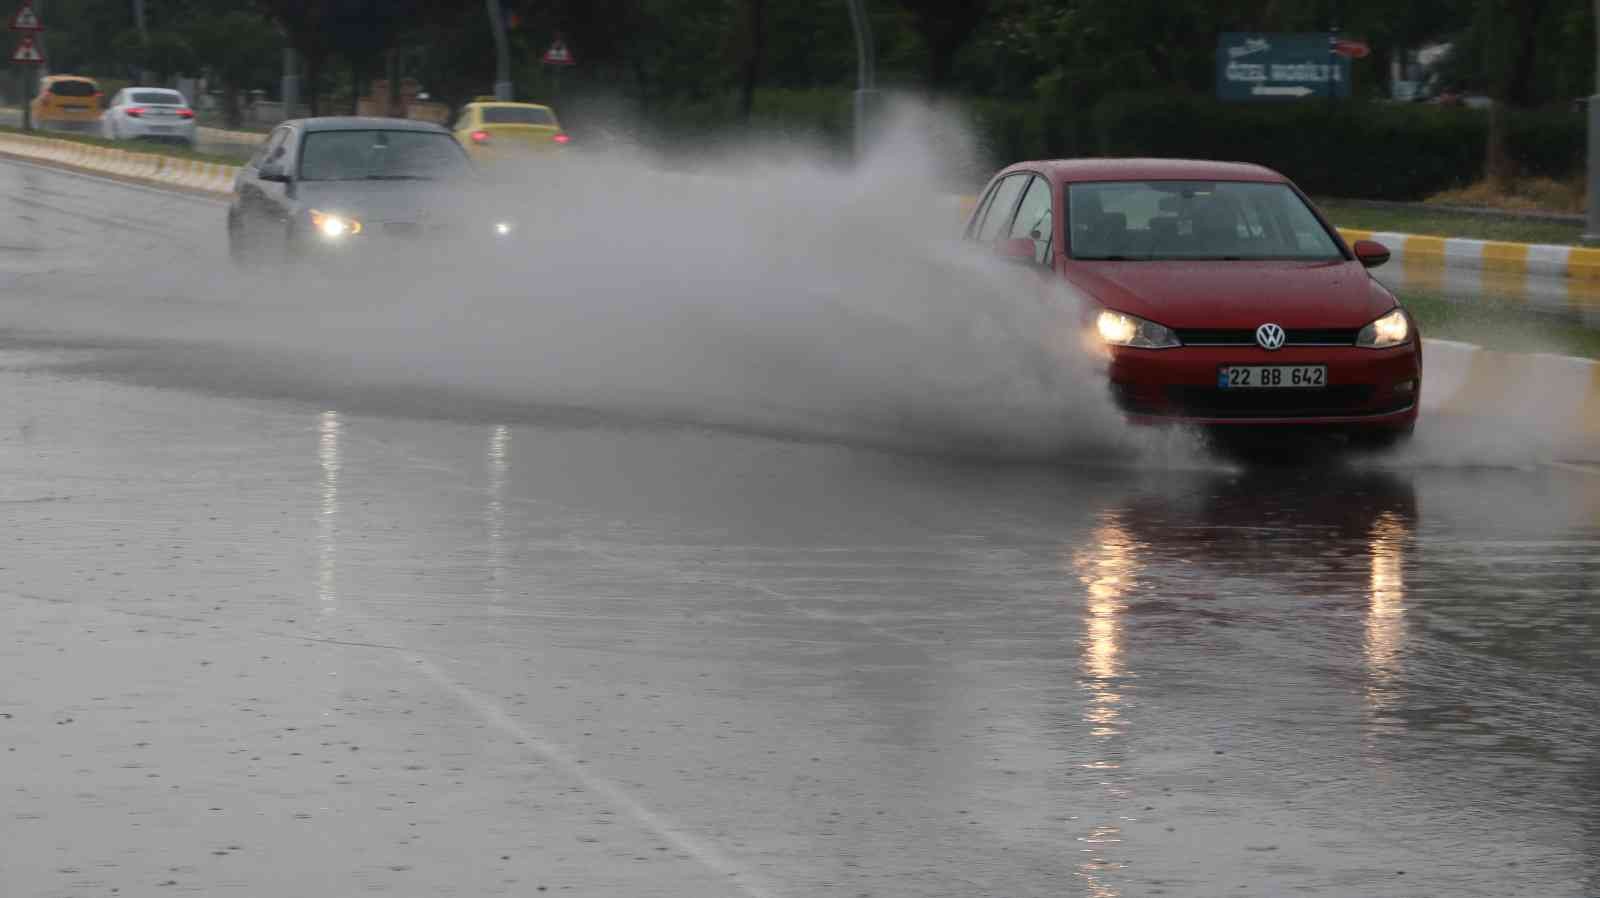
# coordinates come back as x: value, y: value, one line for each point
x: 290, y: 88
x: 1591, y: 231
x: 502, y: 51
x: 866, y: 76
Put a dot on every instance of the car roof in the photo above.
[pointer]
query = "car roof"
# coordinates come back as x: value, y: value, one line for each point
x: 491, y: 101
x: 1067, y: 170
x: 364, y: 123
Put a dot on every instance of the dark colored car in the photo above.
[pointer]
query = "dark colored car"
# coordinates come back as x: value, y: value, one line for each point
x: 1216, y: 294
x: 346, y: 186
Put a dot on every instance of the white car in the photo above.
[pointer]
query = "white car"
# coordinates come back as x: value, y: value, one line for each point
x: 150, y: 113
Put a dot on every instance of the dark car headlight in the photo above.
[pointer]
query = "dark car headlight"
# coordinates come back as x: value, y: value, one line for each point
x: 334, y: 227
x: 1121, y: 329
x: 1392, y: 329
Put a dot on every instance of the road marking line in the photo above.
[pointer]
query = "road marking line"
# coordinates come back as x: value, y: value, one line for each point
x: 557, y: 756
x: 1590, y: 470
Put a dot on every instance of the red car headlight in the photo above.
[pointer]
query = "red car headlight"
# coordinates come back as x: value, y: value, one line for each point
x: 1121, y: 329
x: 1392, y: 329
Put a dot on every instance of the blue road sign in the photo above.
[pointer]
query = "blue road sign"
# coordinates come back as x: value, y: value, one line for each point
x: 1257, y: 67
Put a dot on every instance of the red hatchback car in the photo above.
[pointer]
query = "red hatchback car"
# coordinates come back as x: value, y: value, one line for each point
x: 1218, y: 295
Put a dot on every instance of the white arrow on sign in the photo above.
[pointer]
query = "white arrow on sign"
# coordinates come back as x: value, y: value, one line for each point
x: 1262, y: 90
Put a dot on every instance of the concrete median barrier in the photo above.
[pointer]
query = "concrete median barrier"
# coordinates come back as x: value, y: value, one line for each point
x: 154, y: 169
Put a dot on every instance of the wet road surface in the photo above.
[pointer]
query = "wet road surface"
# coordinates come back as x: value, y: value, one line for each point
x: 266, y: 642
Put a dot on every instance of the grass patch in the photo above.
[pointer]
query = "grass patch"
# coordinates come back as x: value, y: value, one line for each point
x: 1420, y: 220
x: 133, y: 146
x: 1521, y: 195
x: 1496, y: 324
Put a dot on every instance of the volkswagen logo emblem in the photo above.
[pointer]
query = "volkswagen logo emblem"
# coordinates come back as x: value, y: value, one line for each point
x: 1270, y: 336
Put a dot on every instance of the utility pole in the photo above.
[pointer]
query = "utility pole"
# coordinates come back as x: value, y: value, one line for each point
x: 502, y: 51
x: 1591, y: 231
x: 291, y: 82
x: 144, y: 35
x: 866, y: 75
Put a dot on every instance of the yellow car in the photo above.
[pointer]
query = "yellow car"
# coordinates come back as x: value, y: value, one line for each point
x: 67, y: 102
x: 491, y: 129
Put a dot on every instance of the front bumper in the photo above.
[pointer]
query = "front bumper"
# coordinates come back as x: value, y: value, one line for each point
x: 1374, y: 389
x: 400, y: 240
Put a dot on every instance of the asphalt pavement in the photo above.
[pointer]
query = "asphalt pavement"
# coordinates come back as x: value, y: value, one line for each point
x: 276, y: 628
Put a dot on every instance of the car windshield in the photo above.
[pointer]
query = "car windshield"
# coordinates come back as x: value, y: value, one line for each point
x: 73, y: 88
x: 1225, y: 220
x: 381, y: 155
x: 517, y: 115
x: 157, y: 97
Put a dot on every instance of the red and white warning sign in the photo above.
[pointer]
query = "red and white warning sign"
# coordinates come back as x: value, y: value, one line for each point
x: 558, y: 54
x: 26, y: 19
x: 27, y: 51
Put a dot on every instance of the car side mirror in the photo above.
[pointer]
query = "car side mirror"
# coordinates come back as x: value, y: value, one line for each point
x: 274, y: 171
x: 1370, y: 253
x: 1016, y: 249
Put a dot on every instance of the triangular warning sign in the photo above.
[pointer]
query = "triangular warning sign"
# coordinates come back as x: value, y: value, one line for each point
x: 26, y: 19
x: 26, y: 51
x: 558, y: 54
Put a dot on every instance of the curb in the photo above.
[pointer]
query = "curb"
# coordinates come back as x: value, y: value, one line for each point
x: 1538, y: 259
x: 189, y: 175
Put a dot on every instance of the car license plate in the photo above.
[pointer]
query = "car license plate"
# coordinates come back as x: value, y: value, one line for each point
x: 1271, y: 376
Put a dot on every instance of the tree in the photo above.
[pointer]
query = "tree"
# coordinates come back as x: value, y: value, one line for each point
x: 164, y: 53
x: 945, y: 26
x: 239, y: 48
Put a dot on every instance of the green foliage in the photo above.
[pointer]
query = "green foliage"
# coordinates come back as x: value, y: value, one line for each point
x: 164, y: 52
x: 1373, y: 150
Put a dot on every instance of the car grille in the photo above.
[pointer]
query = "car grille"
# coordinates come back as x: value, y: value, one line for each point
x: 1300, y: 337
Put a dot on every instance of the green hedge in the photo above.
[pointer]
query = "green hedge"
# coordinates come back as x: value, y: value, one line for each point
x: 1347, y: 149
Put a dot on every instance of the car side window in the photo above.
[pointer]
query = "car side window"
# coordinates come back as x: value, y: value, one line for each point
x: 272, y: 149
x: 1035, y: 219
x: 979, y: 212
x: 998, y: 216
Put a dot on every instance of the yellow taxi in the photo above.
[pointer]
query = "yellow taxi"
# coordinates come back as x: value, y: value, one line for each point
x: 492, y: 129
x: 68, y: 102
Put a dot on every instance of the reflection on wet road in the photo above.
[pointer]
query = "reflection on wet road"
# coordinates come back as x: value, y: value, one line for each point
x: 272, y: 647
